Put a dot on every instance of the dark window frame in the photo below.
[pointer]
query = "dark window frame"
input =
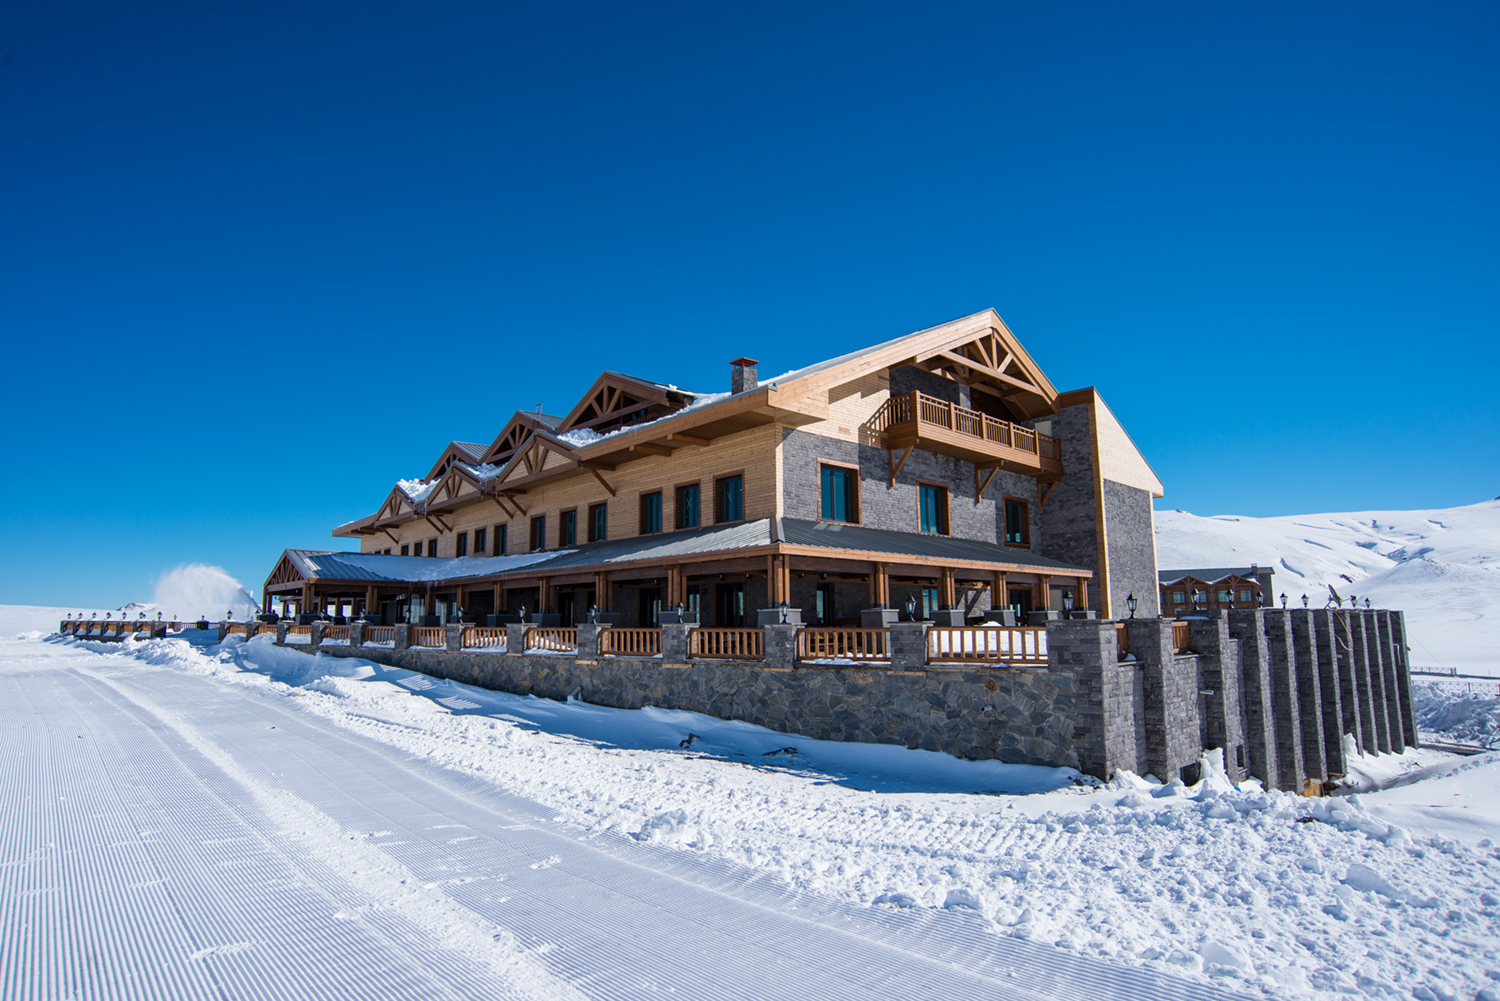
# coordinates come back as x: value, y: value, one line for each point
x: 461, y: 544
x: 719, y: 506
x: 538, y: 533
x: 944, y: 511
x: 406, y: 549
x: 852, y: 487
x: 432, y: 548
x: 599, y: 521
x: 677, y: 515
x: 567, y: 528
x: 1005, y: 503
x: 481, y: 541
x: 498, y: 540
x: 646, y: 512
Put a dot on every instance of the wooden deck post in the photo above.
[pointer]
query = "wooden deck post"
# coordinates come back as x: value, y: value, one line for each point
x: 946, y: 596
x: 1083, y: 593
x: 998, y: 598
x: 1044, y: 597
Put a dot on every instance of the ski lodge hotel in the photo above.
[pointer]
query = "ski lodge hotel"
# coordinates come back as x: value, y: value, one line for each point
x: 922, y: 542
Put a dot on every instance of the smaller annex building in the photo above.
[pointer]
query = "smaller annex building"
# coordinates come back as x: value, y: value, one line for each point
x: 942, y: 467
x: 1188, y: 592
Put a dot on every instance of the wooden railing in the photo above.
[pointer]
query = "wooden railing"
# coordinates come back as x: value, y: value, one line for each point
x: 1006, y: 644
x: 296, y: 630
x: 238, y: 629
x: 630, y: 642
x: 554, y: 639
x: 1182, y: 637
x: 484, y: 637
x: 825, y: 643
x: 429, y: 637
x: 380, y: 634
x: 727, y: 644
x: 1122, y: 641
x: 924, y: 409
x: 335, y: 634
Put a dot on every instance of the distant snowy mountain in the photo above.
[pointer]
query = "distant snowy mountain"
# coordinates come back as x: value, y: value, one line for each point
x: 1442, y: 568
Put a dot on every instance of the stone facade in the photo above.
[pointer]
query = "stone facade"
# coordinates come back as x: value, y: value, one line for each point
x: 1130, y: 539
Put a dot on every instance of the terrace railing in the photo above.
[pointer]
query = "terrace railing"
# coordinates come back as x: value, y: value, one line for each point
x: 303, y: 634
x: 429, y: 637
x: 824, y: 643
x: 335, y: 634
x: 988, y: 644
x: 1182, y: 637
x: 951, y: 429
x: 617, y: 642
x: 484, y: 638
x: 380, y: 635
x: 553, y: 639
x: 726, y: 644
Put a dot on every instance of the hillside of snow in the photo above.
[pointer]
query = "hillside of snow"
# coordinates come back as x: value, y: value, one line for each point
x: 1440, y: 567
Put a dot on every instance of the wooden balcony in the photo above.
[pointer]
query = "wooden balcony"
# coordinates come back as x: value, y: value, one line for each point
x: 934, y: 425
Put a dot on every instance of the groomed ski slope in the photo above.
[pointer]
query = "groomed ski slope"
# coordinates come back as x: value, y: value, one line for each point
x: 581, y: 832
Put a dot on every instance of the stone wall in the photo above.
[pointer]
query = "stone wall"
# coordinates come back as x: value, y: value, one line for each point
x: 1066, y: 529
x: 1130, y: 537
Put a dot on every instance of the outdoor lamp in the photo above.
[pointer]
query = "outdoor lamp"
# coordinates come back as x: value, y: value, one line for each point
x: 1067, y: 601
x: 784, y: 609
x: 521, y: 615
x: 1283, y: 600
x: 1131, y: 603
x: 911, y: 608
x: 680, y: 609
x: 1304, y: 601
x: 1367, y: 602
x: 158, y: 616
x: 106, y: 615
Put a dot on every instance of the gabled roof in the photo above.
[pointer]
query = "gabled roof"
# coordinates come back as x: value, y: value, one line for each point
x: 616, y: 398
x: 515, y: 432
x: 457, y: 451
x: 1214, y: 576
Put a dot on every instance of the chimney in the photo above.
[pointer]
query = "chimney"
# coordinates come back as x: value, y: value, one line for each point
x: 744, y: 376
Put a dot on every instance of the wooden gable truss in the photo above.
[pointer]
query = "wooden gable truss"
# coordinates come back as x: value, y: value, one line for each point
x: 541, y: 455
x: 455, y: 452
x: 616, y: 400
x: 285, y: 576
x: 513, y: 436
x: 994, y: 363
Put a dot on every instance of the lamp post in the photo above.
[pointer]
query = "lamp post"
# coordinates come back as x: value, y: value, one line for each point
x: 1067, y: 603
x: 1283, y: 601
x: 1304, y: 601
x: 784, y: 608
x: 1131, y: 603
x: 1367, y: 603
x: 911, y: 609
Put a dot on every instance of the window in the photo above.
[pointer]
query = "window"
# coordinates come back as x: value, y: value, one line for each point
x: 1245, y: 596
x: 933, y: 503
x: 567, y: 529
x: 431, y: 547
x: 539, y: 532
x: 649, y: 610
x: 479, y: 541
x: 929, y: 601
x: 1179, y: 597
x: 461, y: 544
x: 406, y: 550
x: 500, y: 532
x: 729, y: 499
x: 416, y: 548
x: 840, y: 494
x: 598, y: 522
x: 1224, y: 597
x: 687, y: 506
x: 650, y: 513
x: 1017, y: 522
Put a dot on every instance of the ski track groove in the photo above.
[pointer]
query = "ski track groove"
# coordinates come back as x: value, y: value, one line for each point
x: 165, y: 856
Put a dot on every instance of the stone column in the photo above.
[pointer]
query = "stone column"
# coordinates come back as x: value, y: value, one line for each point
x: 590, y: 639
x: 1343, y: 652
x: 1332, y: 708
x: 1360, y: 669
x: 1377, y: 634
x: 356, y: 634
x: 315, y: 635
x: 1403, y: 677
x: 1248, y: 625
x: 908, y: 642
x: 453, y: 636
x: 1169, y: 701
x: 401, y: 638
x: 674, y: 642
x: 781, y: 646
x: 1107, y: 694
x: 1363, y: 644
x: 1219, y: 688
x: 515, y: 638
x: 223, y: 630
x: 281, y: 631
x: 1284, y: 702
x: 1309, y: 694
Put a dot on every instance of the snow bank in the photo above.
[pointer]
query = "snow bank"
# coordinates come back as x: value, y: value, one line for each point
x: 1263, y: 892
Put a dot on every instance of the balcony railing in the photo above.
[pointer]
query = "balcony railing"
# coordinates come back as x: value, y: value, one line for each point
x: 484, y: 638
x: 1007, y: 644
x: 727, y: 644
x: 380, y: 635
x: 939, y: 426
x: 1182, y: 637
x: 618, y: 642
x: 552, y: 639
x: 824, y: 643
x: 429, y: 637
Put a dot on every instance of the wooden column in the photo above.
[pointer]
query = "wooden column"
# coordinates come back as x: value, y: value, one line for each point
x: 601, y: 590
x: 372, y: 600
x: 1083, y: 593
x: 945, y: 588
x: 880, y: 584
x: 499, y: 597
x: 773, y: 580
x: 1044, y: 598
x: 998, y: 596
x: 546, y: 595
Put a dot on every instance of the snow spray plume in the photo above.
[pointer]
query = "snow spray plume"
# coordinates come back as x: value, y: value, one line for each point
x: 198, y: 589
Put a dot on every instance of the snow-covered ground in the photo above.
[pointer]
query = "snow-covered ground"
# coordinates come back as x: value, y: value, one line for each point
x: 1440, y: 567
x: 1393, y: 892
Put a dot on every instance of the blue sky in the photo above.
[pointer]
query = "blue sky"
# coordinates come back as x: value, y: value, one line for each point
x: 259, y: 261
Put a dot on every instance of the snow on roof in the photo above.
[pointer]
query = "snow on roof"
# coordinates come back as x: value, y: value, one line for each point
x: 417, y: 490
x: 579, y: 437
x: 472, y: 448
x: 410, y: 569
x: 483, y: 471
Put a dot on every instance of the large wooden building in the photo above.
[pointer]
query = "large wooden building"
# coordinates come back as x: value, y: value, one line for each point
x: 941, y: 467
